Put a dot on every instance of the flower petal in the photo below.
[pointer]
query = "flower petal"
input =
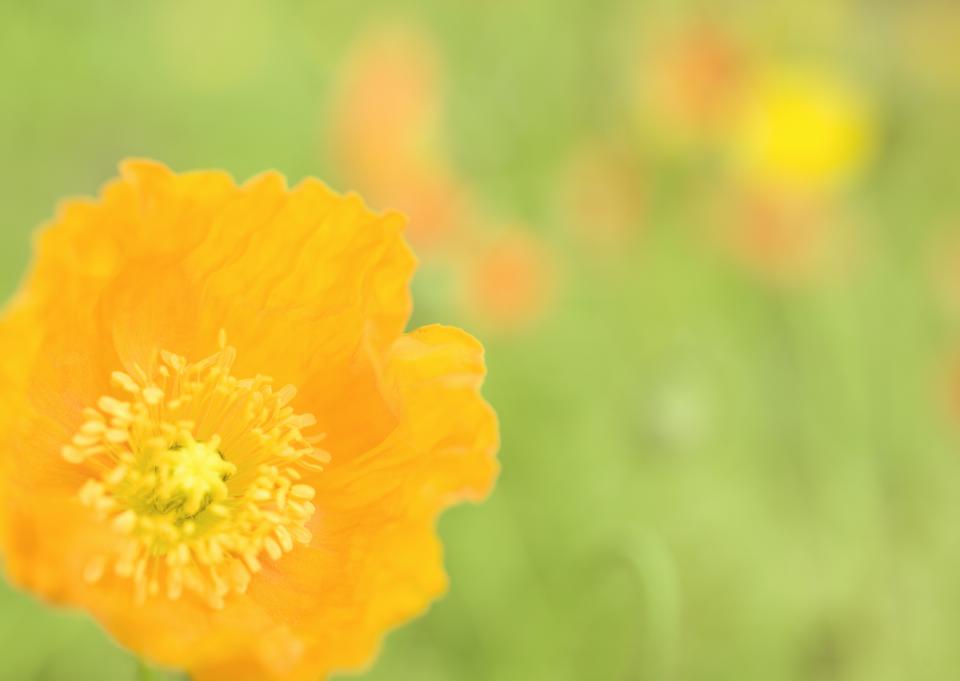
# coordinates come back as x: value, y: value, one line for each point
x: 375, y: 561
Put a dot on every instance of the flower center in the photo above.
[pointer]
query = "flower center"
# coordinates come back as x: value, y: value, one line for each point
x: 189, y: 477
x: 198, y: 473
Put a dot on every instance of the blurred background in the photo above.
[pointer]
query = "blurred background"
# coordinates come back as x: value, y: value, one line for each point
x: 713, y: 249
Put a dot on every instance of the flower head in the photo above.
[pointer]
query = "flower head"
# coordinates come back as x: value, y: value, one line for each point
x: 216, y: 436
x: 803, y: 131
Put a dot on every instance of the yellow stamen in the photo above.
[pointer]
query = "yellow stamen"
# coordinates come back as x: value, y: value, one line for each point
x: 197, y: 471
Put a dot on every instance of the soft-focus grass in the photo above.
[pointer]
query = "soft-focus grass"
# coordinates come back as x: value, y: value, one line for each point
x: 705, y: 476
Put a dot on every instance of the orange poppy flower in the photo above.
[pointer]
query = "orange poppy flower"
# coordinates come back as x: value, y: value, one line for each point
x: 785, y: 238
x: 386, y: 131
x: 688, y: 84
x: 511, y: 282
x: 216, y: 436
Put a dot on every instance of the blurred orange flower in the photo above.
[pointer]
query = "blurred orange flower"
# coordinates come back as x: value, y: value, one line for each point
x: 160, y: 469
x: 691, y: 79
x: 601, y: 195
x: 782, y: 236
x: 511, y: 282
x: 389, y: 105
x: 386, y: 131
x: 926, y: 35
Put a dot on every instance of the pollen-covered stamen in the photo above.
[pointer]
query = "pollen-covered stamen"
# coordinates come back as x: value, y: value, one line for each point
x: 200, y: 474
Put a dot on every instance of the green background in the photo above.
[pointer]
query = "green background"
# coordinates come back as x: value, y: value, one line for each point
x: 706, y: 475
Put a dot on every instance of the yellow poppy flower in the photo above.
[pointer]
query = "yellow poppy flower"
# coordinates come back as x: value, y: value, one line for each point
x: 803, y: 131
x: 216, y: 436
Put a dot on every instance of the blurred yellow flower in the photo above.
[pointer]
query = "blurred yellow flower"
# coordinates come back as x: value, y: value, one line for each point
x: 803, y: 130
x: 161, y: 470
